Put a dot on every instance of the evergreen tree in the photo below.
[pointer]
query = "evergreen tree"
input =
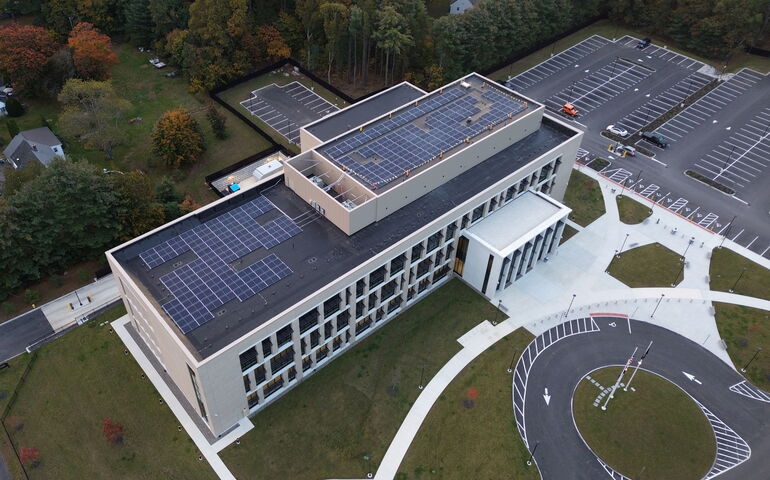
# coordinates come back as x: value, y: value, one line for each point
x: 139, y: 25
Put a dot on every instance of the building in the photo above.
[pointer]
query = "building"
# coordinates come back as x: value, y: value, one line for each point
x: 244, y: 298
x: 38, y: 144
x: 459, y: 6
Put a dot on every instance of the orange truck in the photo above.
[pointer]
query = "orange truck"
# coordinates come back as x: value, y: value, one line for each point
x: 569, y: 109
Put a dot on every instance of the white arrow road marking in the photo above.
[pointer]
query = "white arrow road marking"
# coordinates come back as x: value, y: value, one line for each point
x: 547, y: 397
x: 692, y: 378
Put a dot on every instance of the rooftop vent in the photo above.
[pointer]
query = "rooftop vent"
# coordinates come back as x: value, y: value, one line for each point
x: 465, y: 84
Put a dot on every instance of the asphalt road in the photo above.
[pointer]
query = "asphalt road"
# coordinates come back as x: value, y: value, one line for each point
x: 19, y: 332
x: 562, y: 454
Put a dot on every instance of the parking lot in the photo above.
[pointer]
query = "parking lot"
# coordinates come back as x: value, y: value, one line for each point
x: 286, y: 108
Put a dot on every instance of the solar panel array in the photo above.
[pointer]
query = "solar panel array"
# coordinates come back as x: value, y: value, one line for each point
x: 202, y: 286
x: 382, y: 153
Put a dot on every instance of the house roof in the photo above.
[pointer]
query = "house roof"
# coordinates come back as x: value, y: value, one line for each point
x: 30, y: 145
x: 42, y: 135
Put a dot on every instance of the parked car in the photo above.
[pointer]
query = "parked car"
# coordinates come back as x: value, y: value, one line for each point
x: 644, y: 43
x: 6, y: 89
x: 617, y: 130
x: 570, y: 109
x: 627, y: 149
x: 173, y: 74
x: 655, y: 139
x: 157, y: 63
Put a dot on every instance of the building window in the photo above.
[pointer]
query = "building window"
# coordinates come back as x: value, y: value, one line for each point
x: 397, y: 264
x: 394, y: 304
x: 248, y: 358
x: 197, y: 393
x: 388, y: 290
x: 466, y: 221
x: 410, y: 293
x: 321, y: 353
x: 274, y: 385
x: 363, y: 325
x: 337, y: 343
x: 523, y: 185
x: 377, y: 277
x: 434, y: 241
x: 440, y: 273
x: 308, y: 320
x: 342, y: 320
x: 246, y: 383
x: 556, y: 165
x: 379, y: 315
x: 478, y: 212
x: 510, y: 192
x: 360, y: 287
x: 260, y: 374
x: 282, y: 359
x: 328, y: 329
x: 315, y: 337
x: 307, y: 363
x: 292, y: 373
x: 253, y: 400
x: 360, y: 309
x: 492, y: 204
x: 332, y: 306
x: 283, y: 336
x: 267, y: 346
x: 372, y: 299
x: 424, y: 267
x: 416, y: 251
x: 423, y: 285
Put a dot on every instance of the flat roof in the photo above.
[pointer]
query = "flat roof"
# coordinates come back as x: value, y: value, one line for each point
x: 384, y: 152
x: 317, y: 255
x: 516, y: 219
x: 363, y: 111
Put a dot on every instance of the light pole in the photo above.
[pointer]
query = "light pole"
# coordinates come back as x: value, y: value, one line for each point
x: 673, y: 284
x: 618, y: 380
x: 727, y: 230
x: 617, y: 255
x: 656, y: 306
x: 743, y: 270
x: 422, y: 374
x: 570, y: 305
x: 497, y: 313
x: 369, y: 473
x: 78, y: 297
x: 638, y: 364
x: 532, y: 455
x: 692, y: 239
x: 745, y: 367
x: 570, y: 91
x: 513, y: 359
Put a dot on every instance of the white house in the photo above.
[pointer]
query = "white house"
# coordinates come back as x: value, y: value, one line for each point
x: 459, y: 6
x: 37, y: 144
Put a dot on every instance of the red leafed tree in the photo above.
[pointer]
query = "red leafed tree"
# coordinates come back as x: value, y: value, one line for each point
x: 30, y: 456
x: 113, y: 431
x: 273, y: 43
x: 91, y: 52
x: 24, y: 53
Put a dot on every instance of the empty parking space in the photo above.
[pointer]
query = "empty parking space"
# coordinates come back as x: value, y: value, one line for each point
x: 599, y: 87
x: 567, y: 58
x: 742, y: 157
x: 707, y: 106
x: 664, y: 101
x: 286, y: 108
x: 655, y: 51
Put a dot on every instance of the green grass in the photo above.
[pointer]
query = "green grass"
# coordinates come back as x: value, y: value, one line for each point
x: 77, y: 381
x: 584, y: 197
x: 725, y: 268
x: 654, y: 432
x: 9, y: 379
x: 477, y: 442
x: 650, y: 265
x: 233, y: 96
x: 569, y: 232
x: 151, y: 94
x: 348, y: 408
x: 609, y: 29
x: 632, y: 212
x: 745, y: 329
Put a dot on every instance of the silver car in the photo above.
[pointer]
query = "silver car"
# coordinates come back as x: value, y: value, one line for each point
x: 617, y: 130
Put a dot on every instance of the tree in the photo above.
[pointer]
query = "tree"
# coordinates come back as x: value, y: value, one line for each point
x: 31, y: 296
x: 274, y: 45
x: 91, y: 110
x: 24, y: 53
x: 176, y: 138
x: 60, y: 16
x: 13, y: 128
x: 188, y: 205
x: 139, y: 26
x: 13, y: 107
x: 91, y: 52
x: 308, y: 13
x: 168, y: 15
x: 217, y: 121
x: 139, y: 212
x: 165, y: 191
x: 73, y: 221
x: 390, y: 36
x: 29, y: 456
x: 335, y: 22
x: 112, y: 431
x: 15, y: 179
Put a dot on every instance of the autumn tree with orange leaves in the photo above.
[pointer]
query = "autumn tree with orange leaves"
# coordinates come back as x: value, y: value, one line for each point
x: 24, y: 53
x: 177, y: 139
x: 273, y: 43
x: 91, y: 52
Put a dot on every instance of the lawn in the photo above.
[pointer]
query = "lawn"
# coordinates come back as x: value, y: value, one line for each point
x: 76, y: 382
x: 608, y: 29
x: 477, y: 439
x: 584, y: 197
x: 233, y: 96
x: 655, y: 431
x: 632, y: 212
x: 725, y: 269
x: 744, y: 330
x: 151, y: 94
x: 9, y: 378
x: 354, y: 406
x: 650, y: 265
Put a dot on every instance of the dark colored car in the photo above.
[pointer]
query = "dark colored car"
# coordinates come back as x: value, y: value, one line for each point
x: 655, y: 138
x: 644, y: 43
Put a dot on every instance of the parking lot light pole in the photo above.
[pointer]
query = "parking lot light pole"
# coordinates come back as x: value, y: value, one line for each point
x: 638, y: 364
x: 746, y: 367
x: 513, y: 359
x: 727, y: 162
x: 571, y: 87
x: 422, y: 375
x: 743, y: 270
x: 727, y: 230
x: 692, y: 239
x: 617, y: 255
x: 532, y: 455
x: 570, y: 305
x: 619, y: 379
x: 678, y: 273
x: 658, y: 304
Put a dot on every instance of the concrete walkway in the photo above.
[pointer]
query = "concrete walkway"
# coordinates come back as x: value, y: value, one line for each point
x: 574, y: 284
x: 71, y: 308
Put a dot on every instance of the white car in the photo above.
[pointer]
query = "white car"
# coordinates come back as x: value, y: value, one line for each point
x: 617, y: 130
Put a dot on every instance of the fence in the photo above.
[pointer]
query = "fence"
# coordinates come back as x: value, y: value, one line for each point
x: 8, y: 407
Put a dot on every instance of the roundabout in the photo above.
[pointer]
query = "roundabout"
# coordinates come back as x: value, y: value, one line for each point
x: 553, y: 366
